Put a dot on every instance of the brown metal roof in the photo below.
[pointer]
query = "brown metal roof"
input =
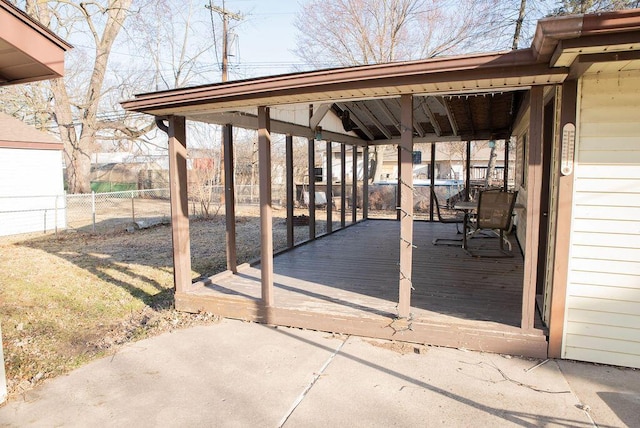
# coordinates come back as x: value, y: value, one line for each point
x: 28, y: 51
x: 462, y: 97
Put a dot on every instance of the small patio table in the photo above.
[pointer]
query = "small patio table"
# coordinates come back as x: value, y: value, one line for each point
x: 467, y: 207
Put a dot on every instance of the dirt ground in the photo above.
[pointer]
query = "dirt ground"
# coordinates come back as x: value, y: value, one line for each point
x: 77, y: 296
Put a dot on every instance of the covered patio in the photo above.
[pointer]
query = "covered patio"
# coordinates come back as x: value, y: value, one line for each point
x: 376, y: 278
x: 347, y: 283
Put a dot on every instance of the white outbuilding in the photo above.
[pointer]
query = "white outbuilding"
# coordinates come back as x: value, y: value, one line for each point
x: 31, y: 183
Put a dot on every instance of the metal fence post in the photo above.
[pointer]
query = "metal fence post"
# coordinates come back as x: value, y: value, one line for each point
x: 3, y: 377
x: 55, y: 216
x: 93, y: 209
x: 133, y: 210
x: 66, y: 210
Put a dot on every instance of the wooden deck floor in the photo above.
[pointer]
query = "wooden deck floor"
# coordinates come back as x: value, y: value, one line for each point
x: 353, y: 275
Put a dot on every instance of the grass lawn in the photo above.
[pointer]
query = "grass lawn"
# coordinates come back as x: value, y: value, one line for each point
x: 69, y: 299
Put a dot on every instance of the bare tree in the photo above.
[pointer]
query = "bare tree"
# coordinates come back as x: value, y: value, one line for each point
x: 568, y: 7
x: 175, y: 42
x: 352, y: 32
x: 76, y: 106
x: 519, y: 22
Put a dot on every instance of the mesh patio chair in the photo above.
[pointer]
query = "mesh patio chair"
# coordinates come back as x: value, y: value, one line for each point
x: 458, y: 219
x: 495, y: 209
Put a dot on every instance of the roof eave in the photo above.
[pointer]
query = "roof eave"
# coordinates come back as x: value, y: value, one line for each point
x: 550, y: 31
x: 31, y: 52
x: 392, y: 75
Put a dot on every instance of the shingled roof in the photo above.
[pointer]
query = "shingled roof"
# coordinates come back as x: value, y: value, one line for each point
x: 18, y: 135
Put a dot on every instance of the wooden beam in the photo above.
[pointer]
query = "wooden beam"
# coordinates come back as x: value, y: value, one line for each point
x: 179, y: 203
x: 311, y: 152
x: 230, y: 199
x: 398, y: 186
x: 356, y: 120
x: 419, y: 129
x: 373, y: 119
x: 329, y: 187
x: 387, y: 113
x: 365, y: 182
x: 318, y: 115
x: 406, y: 206
x: 266, y: 227
x: 467, y: 173
x: 451, y: 117
x: 467, y: 106
x: 290, y: 189
x: 243, y: 119
x: 534, y: 191
x: 354, y: 184
x: 416, y: 125
x: 505, y: 177
x: 432, y: 178
x: 343, y: 184
x: 431, y: 116
x: 563, y: 224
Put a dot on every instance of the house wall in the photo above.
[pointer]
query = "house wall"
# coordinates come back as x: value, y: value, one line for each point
x: 29, y: 182
x: 521, y: 132
x: 602, y: 317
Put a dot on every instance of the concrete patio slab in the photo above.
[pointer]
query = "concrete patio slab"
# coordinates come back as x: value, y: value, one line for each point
x: 236, y: 374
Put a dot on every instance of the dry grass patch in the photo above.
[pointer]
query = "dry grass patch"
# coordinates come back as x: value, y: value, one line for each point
x: 69, y: 299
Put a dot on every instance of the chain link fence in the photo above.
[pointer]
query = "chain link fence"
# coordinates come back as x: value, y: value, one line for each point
x: 114, y: 211
x: 101, y: 212
x: 24, y: 214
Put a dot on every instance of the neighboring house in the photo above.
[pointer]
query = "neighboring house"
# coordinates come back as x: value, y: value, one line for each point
x: 31, y: 185
x: 31, y: 172
x: 570, y: 100
x: 449, y: 163
x: 28, y: 52
x: 122, y: 176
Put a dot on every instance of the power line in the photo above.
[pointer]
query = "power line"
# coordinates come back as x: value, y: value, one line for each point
x: 225, y: 15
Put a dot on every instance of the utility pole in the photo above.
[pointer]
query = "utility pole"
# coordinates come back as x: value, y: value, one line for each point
x: 225, y: 15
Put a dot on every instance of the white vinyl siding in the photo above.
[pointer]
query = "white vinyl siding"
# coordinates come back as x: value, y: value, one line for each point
x: 30, y: 189
x: 602, y: 322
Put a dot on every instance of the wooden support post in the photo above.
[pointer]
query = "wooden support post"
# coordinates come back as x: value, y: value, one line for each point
x: 266, y: 231
x: 467, y: 173
x: 312, y: 188
x: 406, y: 205
x: 230, y: 199
x: 432, y: 174
x: 329, y: 187
x: 354, y: 184
x: 534, y: 190
x: 179, y: 203
x: 563, y: 224
x: 290, y: 189
x: 365, y: 182
x: 343, y: 184
x: 505, y: 177
x: 398, y: 188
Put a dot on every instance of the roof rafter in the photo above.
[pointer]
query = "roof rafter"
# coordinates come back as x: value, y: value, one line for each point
x: 467, y: 106
x: 374, y: 119
x: 319, y: 114
x: 451, y: 117
x: 431, y: 116
x: 386, y: 112
x: 356, y: 120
